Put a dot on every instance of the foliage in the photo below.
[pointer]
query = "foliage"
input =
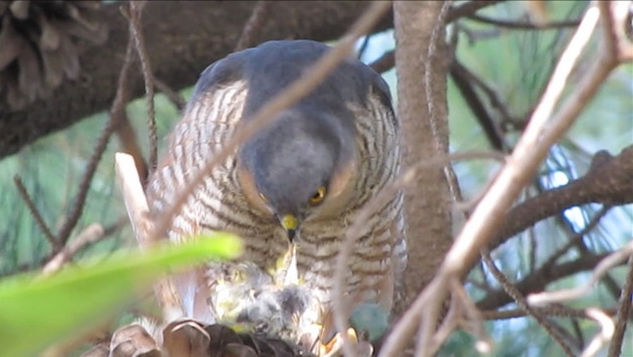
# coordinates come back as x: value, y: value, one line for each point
x: 38, y: 310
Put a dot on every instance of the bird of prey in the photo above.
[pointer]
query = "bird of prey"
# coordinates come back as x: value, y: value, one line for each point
x: 291, y: 192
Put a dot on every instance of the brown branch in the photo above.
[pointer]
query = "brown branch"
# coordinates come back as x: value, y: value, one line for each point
x: 254, y: 24
x: 55, y: 244
x: 118, y: 106
x: 182, y: 38
x: 521, y: 25
x: 469, y: 8
x: 608, y: 181
x: 134, y: 18
x: 623, y: 313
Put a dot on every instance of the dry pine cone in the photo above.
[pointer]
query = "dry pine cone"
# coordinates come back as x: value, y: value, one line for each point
x: 40, y: 42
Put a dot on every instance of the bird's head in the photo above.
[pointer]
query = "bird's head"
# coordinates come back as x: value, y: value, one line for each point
x: 300, y: 168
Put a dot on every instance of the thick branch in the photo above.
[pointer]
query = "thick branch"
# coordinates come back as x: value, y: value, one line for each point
x: 608, y: 181
x: 182, y: 39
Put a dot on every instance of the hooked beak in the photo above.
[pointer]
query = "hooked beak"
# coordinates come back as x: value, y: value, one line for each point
x: 290, y: 223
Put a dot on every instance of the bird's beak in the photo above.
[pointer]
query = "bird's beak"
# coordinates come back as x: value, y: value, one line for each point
x: 290, y: 223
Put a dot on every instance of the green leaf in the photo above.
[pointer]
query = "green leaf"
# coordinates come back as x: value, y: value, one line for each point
x: 36, y: 311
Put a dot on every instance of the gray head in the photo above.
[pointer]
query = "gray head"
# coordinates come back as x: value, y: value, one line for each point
x: 297, y: 161
x: 305, y: 161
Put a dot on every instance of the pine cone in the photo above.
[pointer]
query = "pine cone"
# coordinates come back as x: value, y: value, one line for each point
x: 190, y: 338
x: 40, y: 42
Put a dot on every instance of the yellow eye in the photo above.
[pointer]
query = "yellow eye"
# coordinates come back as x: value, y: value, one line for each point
x: 318, y: 196
x: 261, y: 195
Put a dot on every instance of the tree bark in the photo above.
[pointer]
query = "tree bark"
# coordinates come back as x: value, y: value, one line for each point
x: 182, y: 38
x: 427, y: 205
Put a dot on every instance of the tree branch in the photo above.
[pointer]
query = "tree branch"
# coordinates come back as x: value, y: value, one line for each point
x: 183, y: 38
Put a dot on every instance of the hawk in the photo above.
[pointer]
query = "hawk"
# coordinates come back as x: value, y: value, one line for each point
x: 290, y: 192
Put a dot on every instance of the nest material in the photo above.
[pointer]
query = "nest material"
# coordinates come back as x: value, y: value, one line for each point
x: 190, y: 338
x: 40, y: 42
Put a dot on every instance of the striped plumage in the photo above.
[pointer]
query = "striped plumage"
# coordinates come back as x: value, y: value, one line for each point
x: 228, y: 92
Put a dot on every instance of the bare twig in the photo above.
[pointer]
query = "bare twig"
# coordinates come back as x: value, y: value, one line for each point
x: 539, y: 135
x: 174, y: 96
x: 136, y: 10
x: 602, y: 268
x: 553, y: 310
x: 576, y: 238
x: 254, y: 24
x: 55, y: 244
x: 138, y: 210
x: 118, y: 106
x: 541, y: 278
x: 266, y: 115
x: 522, y: 25
x: 623, y: 313
x: 521, y: 302
x: 602, y: 337
x: 90, y: 234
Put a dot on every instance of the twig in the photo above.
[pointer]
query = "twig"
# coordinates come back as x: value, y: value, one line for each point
x: 539, y: 135
x: 468, y: 9
x: 174, y: 96
x: 602, y: 337
x: 253, y: 24
x: 55, y: 244
x: 90, y: 234
x: 136, y: 10
x: 623, y: 313
x: 521, y: 25
x: 605, y: 264
x: 118, y: 106
x: 138, y: 210
x: 553, y: 310
x: 521, y: 302
x: 541, y: 278
x: 576, y: 238
x: 267, y: 114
